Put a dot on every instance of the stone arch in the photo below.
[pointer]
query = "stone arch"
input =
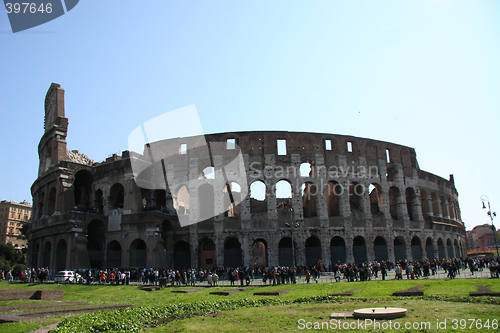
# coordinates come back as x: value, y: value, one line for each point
x: 416, y: 248
x: 182, y: 200
x: 309, y: 199
x: 114, y: 254
x: 285, y: 255
x: 259, y: 253
x: 425, y: 203
x: 451, y: 209
x: 182, y: 255
x: 233, y: 255
x: 399, y: 248
x: 117, y: 196
x: 337, y: 250
x: 429, y: 248
x: 456, y: 248
x: 356, y: 191
x: 359, y: 249
x: 99, y: 201
x: 392, y: 173
x: 284, y: 195
x: 411, y: 204
x: 46, y: 254
x: 95, y: 243
x: 333, y: 192
x: 380, y: 249
x: 207, y: 173
x: 138, y: 253
x: 206, y: 201
x: 449, y: 249
x: 306, y: 170
x: 207, y: 253
x: 258, y: 197
x: 441, y: 252
x: 231, y: 196
x: 51, y: 207
x: 313, y: 251
x: 159, y: 199
x: 394, y: 201
x: 61, y: 252
x: 83, y: 189
x: 375, y: 194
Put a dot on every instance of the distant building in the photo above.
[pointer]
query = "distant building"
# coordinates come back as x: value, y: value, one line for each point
x: 482, y: 237
x: 13, y: 216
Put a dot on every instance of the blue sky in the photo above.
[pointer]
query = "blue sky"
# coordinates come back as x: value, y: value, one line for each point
x: 425, y: 74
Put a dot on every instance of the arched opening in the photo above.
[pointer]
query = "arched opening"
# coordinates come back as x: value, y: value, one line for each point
x: 182, y: 255
x: 51, y: 208
x: 283, y: 196
x: 159, y: 199
x: 380, y: 249
x: 117, y: 196
x: 399, y: 248
x: 441, y: 251
x: 231, y: 196
x: 425, y: 203
x: 259, y: 253
x: 285, y: 252
x: 457, y: 252
x: 167, y: 236
x: 207, y: 173
x: 182, y: 200
x: 429, y: 248
x: 98, y: 201
x: 83, y: 187
x: 206, y: 201
x: 359, y: 250
x: 95, y: 243
x: 114, y: 255
x: 416, y: 248
x: 61, y: 251
x: 207, y: 254
x: 138, y: 253
x: 394, y: 200
x: 313, y: 251
x: 411, y: 204
x: 435, y: 205
x: 306, y: 170
x: 356, y: 191
x: 41, y: 200
x: 333, y: 193
x: 449, y: 249
x: 34, y: 259
x: 337, y: 250
x: 258, y: 197
x: 46, y: 254
x: 375, y: 191
x: 232, y: 253
x: 309, y: 198
x: 392, y: 174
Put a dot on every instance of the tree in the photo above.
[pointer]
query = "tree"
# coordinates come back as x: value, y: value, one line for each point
x: 9, y: 253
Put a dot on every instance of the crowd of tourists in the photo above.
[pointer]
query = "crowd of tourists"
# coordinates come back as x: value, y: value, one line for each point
x: 269, y: 275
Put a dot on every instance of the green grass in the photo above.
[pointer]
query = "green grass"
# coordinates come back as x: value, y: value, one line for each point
x: 282, y: 317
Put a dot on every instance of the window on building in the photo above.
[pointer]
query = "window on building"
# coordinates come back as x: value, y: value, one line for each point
x: 231, y: 144
x: 328, y: 144
x: 388, y: 155
x: 183, y: 149
x: 281, y: 147
x: 349, y: 146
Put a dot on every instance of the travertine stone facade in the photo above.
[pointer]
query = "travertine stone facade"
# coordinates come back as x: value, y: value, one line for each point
x: 345, y: 199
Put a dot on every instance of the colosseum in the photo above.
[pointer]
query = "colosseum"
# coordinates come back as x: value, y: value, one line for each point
x: 298, y: 198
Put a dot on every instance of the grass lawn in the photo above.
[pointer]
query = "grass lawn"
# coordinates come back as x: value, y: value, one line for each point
x: 450, y: 303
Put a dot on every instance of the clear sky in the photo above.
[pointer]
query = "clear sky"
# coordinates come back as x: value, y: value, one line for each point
x: 424, y: 74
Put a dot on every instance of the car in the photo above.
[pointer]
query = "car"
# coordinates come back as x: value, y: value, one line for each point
x: 66, y: 277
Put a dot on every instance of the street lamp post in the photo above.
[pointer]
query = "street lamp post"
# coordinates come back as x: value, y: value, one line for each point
x: 293, y: 245
x: 492, y: 215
